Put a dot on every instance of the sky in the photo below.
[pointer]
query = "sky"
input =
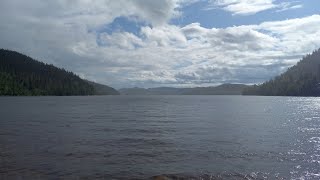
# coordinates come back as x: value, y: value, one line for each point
x: 156, y: 43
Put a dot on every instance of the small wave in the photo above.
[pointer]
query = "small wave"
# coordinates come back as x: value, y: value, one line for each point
x: 219, y: 176
x: 309, y: 130
x: 146, y: 131
x: 314, y: 140
x: 143, y: 141
x: 306, y: 175
x: 142, y: 154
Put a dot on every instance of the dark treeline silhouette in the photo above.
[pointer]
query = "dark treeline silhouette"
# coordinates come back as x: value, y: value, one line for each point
x: 100, y: 89
x: 300, y: 80
x: 22, y: 75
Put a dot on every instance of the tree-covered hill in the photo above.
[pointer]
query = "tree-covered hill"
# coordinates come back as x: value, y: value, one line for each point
x: 300, y: 80
x: 22, y: 75
x: 223, y: 89
x: 100, y: 89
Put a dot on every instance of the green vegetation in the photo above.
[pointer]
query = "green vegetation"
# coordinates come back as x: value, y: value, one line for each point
x: 100, y: 89
x: 21, y: 75
x: 300, y: 80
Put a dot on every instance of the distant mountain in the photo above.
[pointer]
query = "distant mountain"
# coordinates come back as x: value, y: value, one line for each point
x: 21, y: 75
x: 224, y: 89
x: 151, y: 91
x: 300, y: 80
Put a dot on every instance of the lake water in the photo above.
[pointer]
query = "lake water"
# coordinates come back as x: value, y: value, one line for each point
x: 139, y: 137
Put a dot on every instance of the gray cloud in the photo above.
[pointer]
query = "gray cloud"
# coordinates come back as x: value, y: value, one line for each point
x: 58, y: 32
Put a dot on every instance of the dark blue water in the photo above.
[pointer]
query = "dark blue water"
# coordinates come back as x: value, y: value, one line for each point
x: 139, y: 137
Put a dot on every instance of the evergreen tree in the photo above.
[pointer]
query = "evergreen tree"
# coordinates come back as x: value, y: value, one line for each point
x: 22, y: 75
x: 300, y: 80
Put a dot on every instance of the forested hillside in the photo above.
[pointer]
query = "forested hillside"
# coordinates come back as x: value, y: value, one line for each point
x: 100, y: 89
x: 300, y: 80
x: 22, y: 75
x: 223, y: 89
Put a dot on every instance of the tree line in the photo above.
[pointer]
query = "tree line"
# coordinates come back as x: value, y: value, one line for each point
x: 300, y: 80
x: 22, y: 75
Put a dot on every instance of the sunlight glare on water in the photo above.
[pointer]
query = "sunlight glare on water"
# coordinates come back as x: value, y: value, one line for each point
x: 307, y: 145
x: 199, y: 137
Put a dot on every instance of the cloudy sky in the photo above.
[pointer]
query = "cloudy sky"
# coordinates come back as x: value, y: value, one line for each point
x: 150, y: 43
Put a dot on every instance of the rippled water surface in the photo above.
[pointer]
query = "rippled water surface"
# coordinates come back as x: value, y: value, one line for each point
x: 139, y: 137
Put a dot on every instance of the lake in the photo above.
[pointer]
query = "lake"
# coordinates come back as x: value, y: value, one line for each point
x: 139, y: 137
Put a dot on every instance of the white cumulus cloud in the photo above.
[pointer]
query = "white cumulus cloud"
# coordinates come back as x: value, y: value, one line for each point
x: 160, y: 54
x: 249, y: 7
